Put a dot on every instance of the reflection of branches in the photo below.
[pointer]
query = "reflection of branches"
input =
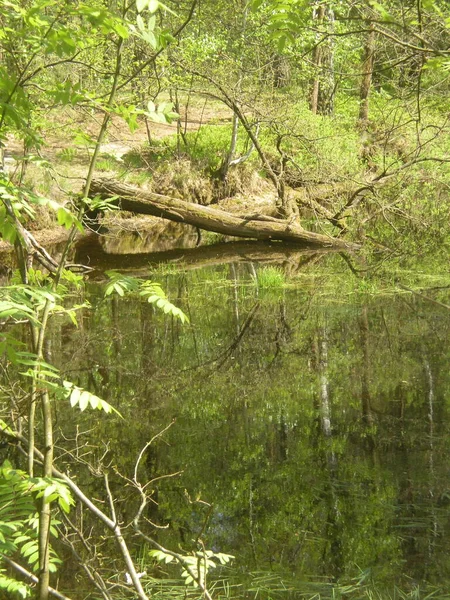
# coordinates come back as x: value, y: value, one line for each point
x: 283, y: 333
x: 141, y: 488
x: 225, y: 355
x: 427, y: 298
x: 91, y: 572
x: 141, y: 453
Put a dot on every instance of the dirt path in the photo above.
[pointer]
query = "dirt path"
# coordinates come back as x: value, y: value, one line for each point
x: 61, y: 137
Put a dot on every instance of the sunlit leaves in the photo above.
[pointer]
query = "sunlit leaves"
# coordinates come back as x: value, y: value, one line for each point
x: 51, y: 490
x: 84, y: 399
x: 16, y: 505
x: 150, y: 291
x: 145, y: 27
x: 129, y: 114
x: 104, y: 19
x: 18, y: 311
x: 67, y: 93
x: 11, y: 586
x: 163, y: 113
x: 101, y: 204
x: 46, y: 374
x: 195, y: 566
x: 19, y: 523
x: 152, y: 6
x: 161, y: 556
x: 23, y: 203
x: 120, y: 284
x: 154, y: 294
x: 382, y: 10
x: 436, y: 63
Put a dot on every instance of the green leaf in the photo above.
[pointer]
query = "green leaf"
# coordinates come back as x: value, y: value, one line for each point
x: 83, y: 398
x: 256, y: 4
x: 149, y: 37
x: 140, y: 23
x: 281, y: 43
x: 141, y: 4
x: 121, y: 31
x: 64, y: 505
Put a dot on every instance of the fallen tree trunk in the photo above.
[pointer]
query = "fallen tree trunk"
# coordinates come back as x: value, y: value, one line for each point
x: 144, y: 202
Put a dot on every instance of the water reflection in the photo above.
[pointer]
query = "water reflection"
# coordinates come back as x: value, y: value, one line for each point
x: 313, y: 418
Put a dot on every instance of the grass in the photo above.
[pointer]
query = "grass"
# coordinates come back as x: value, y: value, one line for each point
x: 270, y: 278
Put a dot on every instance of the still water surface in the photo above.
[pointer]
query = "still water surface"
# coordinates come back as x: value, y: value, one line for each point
x: 310, y: 423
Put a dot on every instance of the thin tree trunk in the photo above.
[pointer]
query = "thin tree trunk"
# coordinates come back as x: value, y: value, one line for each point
x: 366, y: 82
x: 323, y: 86
x: 319, y: 14
x: 234, y: 134
x: 45, y: 510
x: 328, y: 107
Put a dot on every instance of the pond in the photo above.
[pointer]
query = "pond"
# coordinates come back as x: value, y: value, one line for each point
x: 305, y: 415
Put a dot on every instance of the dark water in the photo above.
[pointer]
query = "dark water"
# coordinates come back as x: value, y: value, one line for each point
x: 310, y: 423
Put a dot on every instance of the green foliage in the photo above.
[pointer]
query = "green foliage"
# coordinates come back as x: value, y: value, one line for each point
x: 12, y: 586
x: 80, y: 54
x: 148, y: 290
x: 38, y: 41
x: 195, y: 566
x: 19, y: 301
x: 23, y: 203
x: 20, y: 496
x: 84, y: 399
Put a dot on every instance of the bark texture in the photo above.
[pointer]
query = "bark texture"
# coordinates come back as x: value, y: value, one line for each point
x: 133, y: 199
x: 366, y: 82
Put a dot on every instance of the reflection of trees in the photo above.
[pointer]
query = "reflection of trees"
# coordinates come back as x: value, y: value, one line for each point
x: 365, y: 368
x: 316, y: 446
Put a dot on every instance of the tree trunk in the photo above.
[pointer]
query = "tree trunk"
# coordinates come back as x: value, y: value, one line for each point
x: 317, y: 62
x: 323, y: 85
x: 364, y: 92
x: 260, y: 227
